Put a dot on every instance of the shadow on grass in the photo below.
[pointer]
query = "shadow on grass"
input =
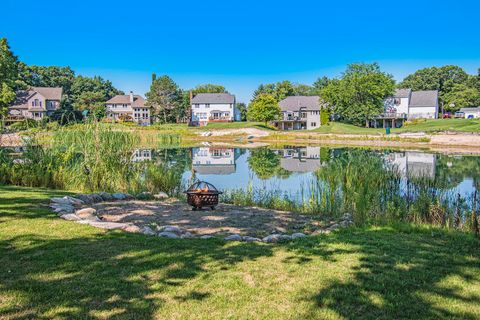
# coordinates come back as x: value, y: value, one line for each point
x: 401, y: 274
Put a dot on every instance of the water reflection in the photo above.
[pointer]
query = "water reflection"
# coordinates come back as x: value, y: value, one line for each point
x: 413, y: 164
x: 211, y: 161
x: 299, y: 159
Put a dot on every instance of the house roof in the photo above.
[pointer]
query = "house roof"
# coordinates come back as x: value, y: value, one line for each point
x: 476, y: 109
x: 138, y: 101
x: 294, y: 103
x: 22, y: 96
x: 402, y: 93
x: 213, y: 98
x: 424, y: 98
x: 297, y: 165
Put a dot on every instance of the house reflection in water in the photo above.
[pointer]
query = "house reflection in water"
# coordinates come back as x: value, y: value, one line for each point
x: 299, y: 159
x: 413, y: 164
x: 140, y: 155
x: 214, y: 160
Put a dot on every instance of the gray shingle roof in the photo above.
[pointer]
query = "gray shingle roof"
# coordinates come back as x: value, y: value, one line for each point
x: 138, y: 101
x: 476, y: 109
x: 214, y: 169
x: 402, y: 93
x: 213, y: 98
x: 294, y: 103
x: 22, y: 96
x: 424, y: 99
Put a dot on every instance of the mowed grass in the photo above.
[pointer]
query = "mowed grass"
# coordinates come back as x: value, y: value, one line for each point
x: 50, y: 268
x: 429, y: 126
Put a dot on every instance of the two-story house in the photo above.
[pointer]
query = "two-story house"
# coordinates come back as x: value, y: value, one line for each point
x: 213, y: 107
x: 407, y: 104
x: 35, y: 103
x: 128, y: 108
x: 214, y: 160
x: 299, y: 113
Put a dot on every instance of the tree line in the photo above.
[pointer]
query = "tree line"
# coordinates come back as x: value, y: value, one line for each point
x: 354, y: 97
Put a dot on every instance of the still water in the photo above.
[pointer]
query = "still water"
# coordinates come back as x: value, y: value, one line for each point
x: 290, y: 169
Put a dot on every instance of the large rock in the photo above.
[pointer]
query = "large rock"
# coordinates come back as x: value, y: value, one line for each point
x: 120, y: 196
x: 206, y: 236
x: 87, y: 214
x: 187, y: 235
x: 298, y: 235
x: 63, y: 208
x: 85, y: 198
x: 67, y: 200
x: 276, y: 238
x: 173, y: 229
x: 148, y: 231
x: 106, y: 196
x: 233, y: 237
x: 132, y: 228
x: 70, y: 217
x: 105, y: 225
x: 250, y: 239
x: 169, y: 235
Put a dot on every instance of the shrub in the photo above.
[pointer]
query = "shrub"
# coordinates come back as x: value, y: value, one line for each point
x: 324, y: 116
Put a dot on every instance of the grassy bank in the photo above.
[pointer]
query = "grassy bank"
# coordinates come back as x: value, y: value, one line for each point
x: 52, y: 268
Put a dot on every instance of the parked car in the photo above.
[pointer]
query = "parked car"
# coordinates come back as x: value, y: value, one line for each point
x: 459, y: 114
x: 447, y: 115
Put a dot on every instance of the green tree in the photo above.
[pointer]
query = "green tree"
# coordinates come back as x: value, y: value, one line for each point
x: 359, y: 94
x: 263, y: 162
x: 209, y: 88
x: 242, y: 107
x: 461, y: 96
x: 8, y: 76
x: 46, y: 76
x: 263, y: 108
x: 164, y: 97
x: 303, y: 90
x: 320, y: 83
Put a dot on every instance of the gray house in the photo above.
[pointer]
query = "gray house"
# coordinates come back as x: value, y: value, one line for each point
x: 35, y: 103
x: 299, y: 113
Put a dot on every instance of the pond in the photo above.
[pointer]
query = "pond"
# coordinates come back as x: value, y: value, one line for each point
x: 307, y: 179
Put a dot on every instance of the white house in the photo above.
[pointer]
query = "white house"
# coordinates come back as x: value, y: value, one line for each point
x: 300, y: 159
x: 413, y: 164
x: 35, y: 103
x: 213, y: 107
x: 299, y: 113
x: 406, y: 104
x: 471, y: 113
x: 214, y: 160
x: 128, y: 108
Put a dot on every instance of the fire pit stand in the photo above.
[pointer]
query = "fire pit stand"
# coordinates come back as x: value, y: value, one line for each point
x: 202, y: 194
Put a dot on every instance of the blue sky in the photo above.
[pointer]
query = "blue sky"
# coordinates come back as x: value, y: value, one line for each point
x: 240, y: 44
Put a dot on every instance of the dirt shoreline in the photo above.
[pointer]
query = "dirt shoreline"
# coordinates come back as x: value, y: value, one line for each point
x: 448, y: 142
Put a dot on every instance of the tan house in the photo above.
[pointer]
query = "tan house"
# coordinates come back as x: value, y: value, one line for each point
x: 35, y: 103
x: 129, y: 108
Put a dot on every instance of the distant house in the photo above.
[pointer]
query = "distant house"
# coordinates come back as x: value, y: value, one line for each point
x: 299, y: 113
x: 36, y: 102
x: 213, y: 107
x: 406, y: 104
x: 470, y: 113
x: 300, y: 159
x: 128, y: 108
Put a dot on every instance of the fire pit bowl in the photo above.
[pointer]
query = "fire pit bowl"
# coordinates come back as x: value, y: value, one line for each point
x: 202, y: 194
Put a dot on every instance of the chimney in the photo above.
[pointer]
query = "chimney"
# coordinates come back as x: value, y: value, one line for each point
x: 191, y: 96
x: 131, y: 96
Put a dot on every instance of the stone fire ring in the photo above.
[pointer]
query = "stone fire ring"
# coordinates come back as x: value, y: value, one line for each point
x: 168, y: 218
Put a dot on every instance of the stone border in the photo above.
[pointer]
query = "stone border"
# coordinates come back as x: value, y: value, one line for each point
x: 76, y: 209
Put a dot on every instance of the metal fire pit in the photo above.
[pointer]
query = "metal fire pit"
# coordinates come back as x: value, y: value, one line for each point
x: 202, y: 194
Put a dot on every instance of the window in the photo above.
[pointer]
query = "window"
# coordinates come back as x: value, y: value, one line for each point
x: 397, y: 101
x: 197, y: 105
x: 313, y: 124
x: 207, y: 105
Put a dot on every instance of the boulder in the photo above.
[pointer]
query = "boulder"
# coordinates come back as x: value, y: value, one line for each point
x: 169, y: 235
x: 206, y: 236
x: 65, y: 208
x: 132, y: 228
x: 148, y: 231
x: 145, y: 196
x: 250, y: 239
x: 298, y: 235
x: 70, y: 217
x: 67, y: 200
x: 87, y: 214
x: 104, y: 225
x: 106, y: 196
x: 160, y: 196
x: 186, y: 235
x: 85, y: 198
x: 119, y: 196
x: 276, y: 238
x: 173, y: 229
x: 233, y: 237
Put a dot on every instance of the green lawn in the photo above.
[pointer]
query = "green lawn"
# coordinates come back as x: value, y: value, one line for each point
x: 50, y: 268
x: 438, y: 125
